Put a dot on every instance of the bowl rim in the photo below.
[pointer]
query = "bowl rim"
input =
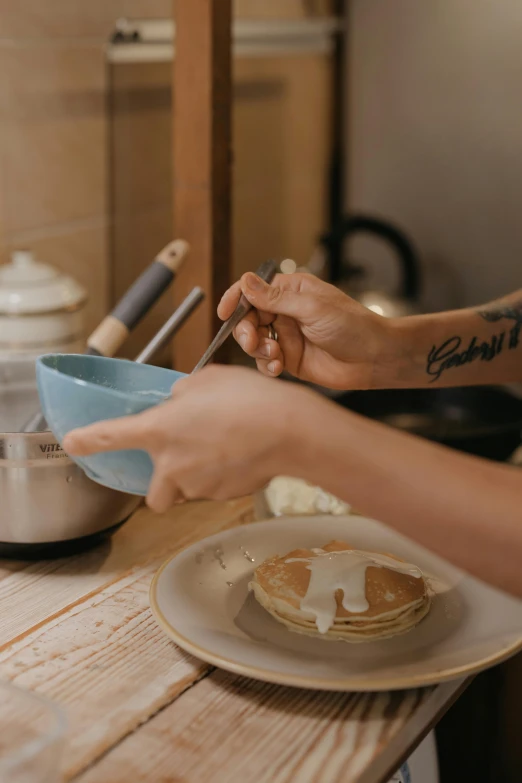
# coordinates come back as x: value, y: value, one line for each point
x: 122, y: 395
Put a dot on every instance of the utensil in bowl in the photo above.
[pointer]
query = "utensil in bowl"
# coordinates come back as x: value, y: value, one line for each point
x: 266, y: 272
x: 110, y: 335
x: 76, y: 391
x: 110, y: 389
x: 172, y: 325
x: 50, y: 508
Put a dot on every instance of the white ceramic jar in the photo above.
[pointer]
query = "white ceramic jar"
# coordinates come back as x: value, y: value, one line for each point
x: 40, y: 308
x: 41, y: 311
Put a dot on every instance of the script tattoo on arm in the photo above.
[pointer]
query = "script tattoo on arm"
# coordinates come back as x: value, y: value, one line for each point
x: 451, y: 353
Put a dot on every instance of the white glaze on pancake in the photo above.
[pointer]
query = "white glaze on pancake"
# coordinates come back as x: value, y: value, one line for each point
x: 346, y: 571
x: 396, y: 595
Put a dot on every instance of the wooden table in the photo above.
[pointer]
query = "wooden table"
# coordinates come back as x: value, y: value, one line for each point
x: 81, y: 632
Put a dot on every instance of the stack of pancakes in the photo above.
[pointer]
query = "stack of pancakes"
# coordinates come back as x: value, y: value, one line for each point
x: 396, y: 601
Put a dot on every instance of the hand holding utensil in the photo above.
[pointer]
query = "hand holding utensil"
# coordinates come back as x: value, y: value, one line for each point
x: 266, y: 272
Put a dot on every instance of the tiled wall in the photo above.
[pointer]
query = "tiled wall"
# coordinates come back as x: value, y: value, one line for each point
x: 281, y: 146
x: 69, y: 123
x: 54, y: 172
x: 141, y: 177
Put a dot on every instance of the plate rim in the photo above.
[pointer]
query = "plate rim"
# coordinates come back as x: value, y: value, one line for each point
x: 300, y: 681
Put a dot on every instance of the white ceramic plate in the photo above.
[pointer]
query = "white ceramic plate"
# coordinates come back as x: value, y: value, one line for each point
x: 200, y: 599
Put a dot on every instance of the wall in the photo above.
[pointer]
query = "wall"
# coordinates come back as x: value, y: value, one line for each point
x: 53, y: 132
x: 85, y: 147
x: 281, y: 154
x: 435, y: 128
x: 281, y: 141
x: 140, y: 109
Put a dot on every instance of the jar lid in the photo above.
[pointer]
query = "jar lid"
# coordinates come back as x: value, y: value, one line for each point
x: 29, y: 287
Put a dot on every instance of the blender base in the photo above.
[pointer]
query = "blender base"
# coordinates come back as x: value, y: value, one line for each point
x: 56, y: 549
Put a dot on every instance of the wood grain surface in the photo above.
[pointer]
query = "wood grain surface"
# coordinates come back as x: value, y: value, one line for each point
x: 81, y: 632
x: 229, y: 728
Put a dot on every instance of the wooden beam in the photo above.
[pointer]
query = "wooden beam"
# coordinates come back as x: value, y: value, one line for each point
x: 202, y: 162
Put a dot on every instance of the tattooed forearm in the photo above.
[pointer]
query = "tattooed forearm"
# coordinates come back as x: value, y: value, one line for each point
x: 451, y: 353
x: 500, y: 310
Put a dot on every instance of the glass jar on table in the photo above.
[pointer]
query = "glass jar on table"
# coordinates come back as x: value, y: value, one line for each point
x: 32, y: 731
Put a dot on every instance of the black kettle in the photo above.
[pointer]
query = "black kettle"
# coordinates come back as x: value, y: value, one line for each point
x: 405, y: 302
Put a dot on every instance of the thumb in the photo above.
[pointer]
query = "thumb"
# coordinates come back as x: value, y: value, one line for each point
x: 283, y: 297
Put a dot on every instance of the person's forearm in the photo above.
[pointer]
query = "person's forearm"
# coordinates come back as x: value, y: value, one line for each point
x: 466, y: 509
x: 464, y: 347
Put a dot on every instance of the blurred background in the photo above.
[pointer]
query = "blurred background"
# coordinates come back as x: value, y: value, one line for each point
x: 434, y: 136
x: 427, y: 107
x: 85, y: 167
x: 376, y: 141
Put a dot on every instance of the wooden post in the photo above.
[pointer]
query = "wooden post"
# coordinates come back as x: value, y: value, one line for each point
x: 202, y: 162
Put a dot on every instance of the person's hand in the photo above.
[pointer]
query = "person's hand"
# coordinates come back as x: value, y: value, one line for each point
x: 225, y: 433
x: 324, y: 336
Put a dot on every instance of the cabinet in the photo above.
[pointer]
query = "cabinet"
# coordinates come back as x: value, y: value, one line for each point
x: 281, y: 140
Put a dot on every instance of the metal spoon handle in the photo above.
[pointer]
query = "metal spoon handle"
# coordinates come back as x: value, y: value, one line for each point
x: 167, y: 331
x: 135, y: 303
x: 170, y: 327
x: 266, y: 272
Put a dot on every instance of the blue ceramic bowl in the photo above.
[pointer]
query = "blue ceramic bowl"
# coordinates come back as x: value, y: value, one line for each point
x: 79, y: 390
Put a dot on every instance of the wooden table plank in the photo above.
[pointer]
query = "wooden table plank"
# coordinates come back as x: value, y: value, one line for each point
x: 81, y: 632
x: 107, y: 663
x: 228, y: 728
x: 396, y: 749
x: 34, y: 593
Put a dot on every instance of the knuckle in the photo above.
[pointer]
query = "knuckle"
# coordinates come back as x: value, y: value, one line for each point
x: 274, y: 294
x: 300, y: 280
x: 104, y: 439
x: 262, y: 366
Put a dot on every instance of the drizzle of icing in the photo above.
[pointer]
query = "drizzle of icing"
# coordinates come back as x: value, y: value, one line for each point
x: 346, y: 571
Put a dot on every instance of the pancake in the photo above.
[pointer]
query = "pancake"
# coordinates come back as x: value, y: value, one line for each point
x: 340, y: 593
